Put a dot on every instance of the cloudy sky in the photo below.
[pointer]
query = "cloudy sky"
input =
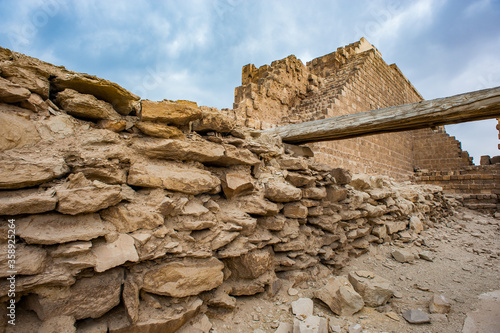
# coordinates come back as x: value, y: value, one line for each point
x: 195, y: 49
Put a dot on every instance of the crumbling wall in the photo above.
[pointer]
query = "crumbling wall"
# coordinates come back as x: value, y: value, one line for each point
x: 436, y: 150
x: 134, y: 216
x: 350, y: 80
x: 274, y: 88
x: 478, y: 186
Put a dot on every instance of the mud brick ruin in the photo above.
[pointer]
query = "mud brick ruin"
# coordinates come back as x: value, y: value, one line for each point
x: 137, y: 216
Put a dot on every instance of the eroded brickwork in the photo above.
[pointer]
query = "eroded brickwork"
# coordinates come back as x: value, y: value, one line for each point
x: 479, y: 185
x: 350, y: 80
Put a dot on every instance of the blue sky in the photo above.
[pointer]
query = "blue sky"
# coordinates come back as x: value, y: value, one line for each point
x: 195, y: 49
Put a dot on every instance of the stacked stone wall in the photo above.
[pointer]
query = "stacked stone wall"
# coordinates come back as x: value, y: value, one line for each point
x: 478, y: 186
x: 135, y: 216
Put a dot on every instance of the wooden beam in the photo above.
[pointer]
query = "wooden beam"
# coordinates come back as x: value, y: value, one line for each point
x: 477, y: 105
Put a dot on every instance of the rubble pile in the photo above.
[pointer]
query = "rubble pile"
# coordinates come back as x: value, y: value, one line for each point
x: 135, y: 216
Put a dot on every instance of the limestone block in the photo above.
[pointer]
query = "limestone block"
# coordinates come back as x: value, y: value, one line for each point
x: 374, y: 289
x: 54, y: 228
x: 27, y: 76
x: 11, y: 92
x: 170, y: 112
x: 300, y: 180
x: 303, y: 308
x: 374, y: 211
x: 129, y: 217
x: 184, y: 278
x: 80, y: 195
x: 219, y: 298
x: 114, y: 253
x: 255, y: 204
x: 341, y: 176
x: 235, y: 216
x: 237, y: 156
x: 380, y: 193
x: 275, y: 222
x: 380, y: 231
x: 340, y: 296
x: 17, y: 172
x: 292, y: 163
x: 439, y: 304
x: 106, y: 173
x: 314, y: 193
x: 30, y: 201
x: 121, y: 100
x: 223, y: 238
x: 71, y: 249
x: 252, y: 264
x: 130, y: 296
x: 213, y: 120
x: 352, y: 214
x: 414, y: 316
x: 234, y: 184
x: 206, y: 221
x: 17, y: 131
x: 159, y: 130
x: 112, y: 125
x: 403, y: 256
x: 393, y: 227
x: 184, y: 150
x: 30, y: 260
x: 278, y: 191
x: 295, y: 210
x: 336, y: 193
x: 88, y: 297
x: 298, y: 151
x: 173, y: 176
x: 85, y: 106
x: 416, y: 224
x: 35, y: 103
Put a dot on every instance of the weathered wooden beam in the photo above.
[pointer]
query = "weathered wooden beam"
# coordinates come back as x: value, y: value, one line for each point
x: 476, y: 105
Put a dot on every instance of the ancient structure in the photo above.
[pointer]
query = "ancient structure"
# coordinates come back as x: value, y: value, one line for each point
x: 129, y: 215
x: 351, y: 80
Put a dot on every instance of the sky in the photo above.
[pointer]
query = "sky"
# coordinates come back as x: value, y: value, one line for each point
x: 195, y: 49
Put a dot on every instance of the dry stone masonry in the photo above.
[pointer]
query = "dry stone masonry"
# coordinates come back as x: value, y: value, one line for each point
x: 137, y: 216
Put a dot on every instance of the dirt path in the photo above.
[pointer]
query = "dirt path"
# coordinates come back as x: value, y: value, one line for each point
x: 466, y: 263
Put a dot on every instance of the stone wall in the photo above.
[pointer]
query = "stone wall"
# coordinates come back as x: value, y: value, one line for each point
x: 478, y: 186
x: 135, y: 216
x: 436, y: 150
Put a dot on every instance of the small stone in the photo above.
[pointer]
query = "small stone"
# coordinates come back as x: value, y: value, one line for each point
x: 426, y: 255
x: 284, y: 328
x: 335, y: 328
x: 355, y: 328
x: 293, y: 292
x: 393, y: 315
x: 414, y: 316
x: 302, y: 308
x: 403, y: 256
x: 439, y: 304
x: 374, y: 289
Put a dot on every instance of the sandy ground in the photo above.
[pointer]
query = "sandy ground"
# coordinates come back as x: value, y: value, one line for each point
x: 466, y: 251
